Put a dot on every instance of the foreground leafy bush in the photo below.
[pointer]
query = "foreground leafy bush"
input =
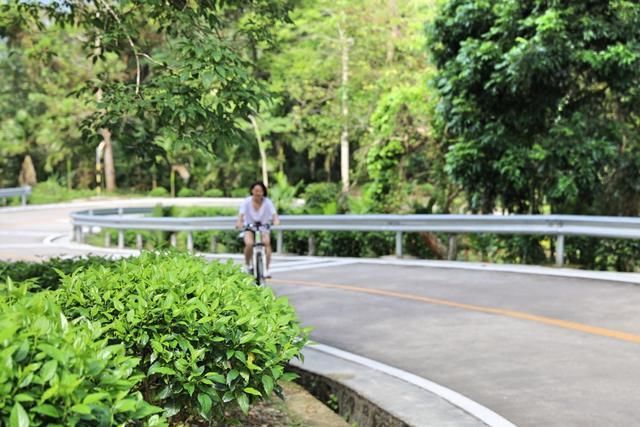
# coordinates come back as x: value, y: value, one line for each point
x: 60, y: 374
x: 208, y: 338
x: 46, y: 273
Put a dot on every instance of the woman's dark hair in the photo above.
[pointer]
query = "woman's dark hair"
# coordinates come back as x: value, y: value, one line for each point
x: 261, y: 184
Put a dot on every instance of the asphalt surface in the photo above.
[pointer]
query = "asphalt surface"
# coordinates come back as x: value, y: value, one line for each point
x: 540, y: 350
x: 438, y: 324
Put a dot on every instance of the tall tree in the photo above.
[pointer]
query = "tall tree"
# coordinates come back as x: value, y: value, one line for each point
x: 41, y: 67
x: 188, y: 76
x: 540, y: 101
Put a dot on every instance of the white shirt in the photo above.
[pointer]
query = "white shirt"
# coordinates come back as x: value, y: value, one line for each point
x: 264, y: 215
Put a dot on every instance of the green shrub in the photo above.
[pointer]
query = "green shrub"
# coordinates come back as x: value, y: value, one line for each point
x: 51, y: 191
x: 227, y: 241
x: 46, y: 273
x: 159, y: 192
x: 208, y: 337
x: 240, y: 192
x: 321, y: 197
x: 56, y: 373
x: 214, y: 192
x: 187, y: 192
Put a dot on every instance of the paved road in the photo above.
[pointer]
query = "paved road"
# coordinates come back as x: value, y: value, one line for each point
x: 538, y: 349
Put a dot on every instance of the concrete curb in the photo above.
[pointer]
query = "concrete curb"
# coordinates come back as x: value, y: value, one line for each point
x: 407, y: 398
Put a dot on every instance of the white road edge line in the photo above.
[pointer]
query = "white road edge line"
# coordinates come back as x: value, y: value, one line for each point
x: 284, y: 269
x: 473, y: 408
x: 50, y: 238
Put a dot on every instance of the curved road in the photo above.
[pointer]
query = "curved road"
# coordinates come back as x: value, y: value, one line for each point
x: 538, y: 349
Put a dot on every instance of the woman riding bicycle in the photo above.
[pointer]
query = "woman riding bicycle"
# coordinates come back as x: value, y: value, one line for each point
x: 257, y: 209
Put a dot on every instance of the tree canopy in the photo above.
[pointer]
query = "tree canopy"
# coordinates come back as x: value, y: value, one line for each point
x: 539, y: 101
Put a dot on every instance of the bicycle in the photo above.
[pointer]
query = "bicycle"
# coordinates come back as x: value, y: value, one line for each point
x: 259, y: 255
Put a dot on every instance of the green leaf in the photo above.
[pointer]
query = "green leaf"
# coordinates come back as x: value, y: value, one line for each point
x: 252, y: 390
x: 50, y: 392
x: 47, y: 409
x: 232, y: 375
x: 125, y: 405
x: 216, y: 377
x: 205, y: 403
x: 23, y: 397
x: 95, y: 397
x: 48, y: 370
x: 243, y: 403
x: 289, y: 376
x: 157, y: 369
x: 22, y: 351
x: 267, y: 383
x: 19, y: 417
x: 190, y: 388
x: 81, y: 408
x: 247, y: 337
x: 144, y: 410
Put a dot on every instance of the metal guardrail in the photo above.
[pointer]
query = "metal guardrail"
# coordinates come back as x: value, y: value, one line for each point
x: 22, y: 192
x: 559, y: 226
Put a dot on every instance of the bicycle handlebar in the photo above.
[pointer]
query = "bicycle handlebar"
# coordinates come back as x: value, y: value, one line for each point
x: 256, y: 225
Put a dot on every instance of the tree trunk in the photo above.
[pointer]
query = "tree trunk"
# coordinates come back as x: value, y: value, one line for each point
x: 436, y: 246
x: 263, y: 151
x: 154, y: 177
x: 344, y: 136
x: 395, y: 31
x: 69, y: 181
x: 109, y: 168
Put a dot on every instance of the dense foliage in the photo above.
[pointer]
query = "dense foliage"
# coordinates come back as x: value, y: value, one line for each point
x: 46, y: 274
x: 54, y: 372
x: 208, y: 338
x: 193, y: 339
x: 540, y: 103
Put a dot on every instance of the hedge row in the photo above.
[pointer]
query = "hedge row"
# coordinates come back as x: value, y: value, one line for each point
x: 196, y: 339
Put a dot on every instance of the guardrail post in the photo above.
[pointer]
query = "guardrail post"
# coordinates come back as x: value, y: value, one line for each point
x: 559, y: 250
x: 399, y: 244
x: 107, y: 238
x: 76, y: 233
x: 120, y: 232
x: 279, y: 242
x: 174, y: 240
x: 138, y: 241
x: 312, y: 245
x: 190, y: 241
x: 23, y: 198
x: 213, y: 245
x: 452, y: 253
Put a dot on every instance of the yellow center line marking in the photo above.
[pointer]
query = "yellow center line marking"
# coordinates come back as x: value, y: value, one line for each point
x: 574, y: 326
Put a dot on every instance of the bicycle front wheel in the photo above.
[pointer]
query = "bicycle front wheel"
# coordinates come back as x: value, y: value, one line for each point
x: 259, y: 269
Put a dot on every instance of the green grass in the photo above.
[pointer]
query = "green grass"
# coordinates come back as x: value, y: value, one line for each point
x: 51, y: 191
